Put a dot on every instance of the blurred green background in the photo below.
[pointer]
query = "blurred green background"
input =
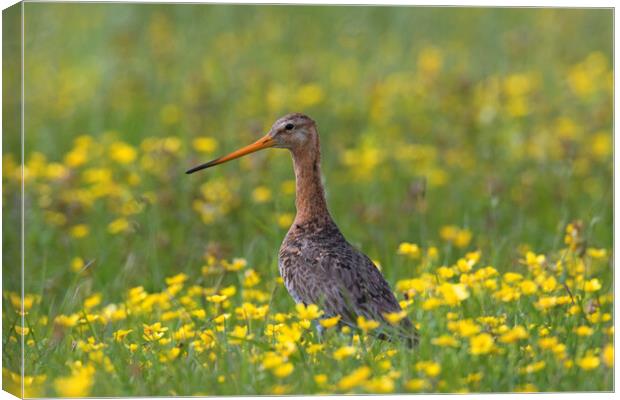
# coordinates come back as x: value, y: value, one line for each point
x: 442, y: 80
x: 498, y: 121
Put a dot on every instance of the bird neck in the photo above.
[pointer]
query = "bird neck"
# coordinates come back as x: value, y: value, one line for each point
x: 310, y: 197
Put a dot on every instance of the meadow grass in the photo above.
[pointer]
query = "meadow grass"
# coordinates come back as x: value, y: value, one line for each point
x: 468, y: 152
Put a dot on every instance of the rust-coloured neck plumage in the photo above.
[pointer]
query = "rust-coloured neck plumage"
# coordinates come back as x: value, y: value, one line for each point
x: 310, y: 196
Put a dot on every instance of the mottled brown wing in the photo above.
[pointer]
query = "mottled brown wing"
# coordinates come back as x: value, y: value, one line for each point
x: 328, y: 271
x: 357, y: 284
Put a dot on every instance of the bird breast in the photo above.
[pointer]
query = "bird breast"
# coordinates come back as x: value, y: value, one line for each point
x: 303, y: 252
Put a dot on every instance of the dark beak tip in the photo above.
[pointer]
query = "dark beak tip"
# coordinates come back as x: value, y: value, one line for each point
x: 191, y: 171
x: 199, y: 167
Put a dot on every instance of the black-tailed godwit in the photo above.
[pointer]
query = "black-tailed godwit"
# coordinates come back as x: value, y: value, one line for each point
x: 316, y: 262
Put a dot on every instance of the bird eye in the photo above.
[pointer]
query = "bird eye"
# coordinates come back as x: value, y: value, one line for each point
x: 289, y: 127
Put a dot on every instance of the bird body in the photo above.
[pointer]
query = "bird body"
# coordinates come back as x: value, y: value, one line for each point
x: 320, y: 267
x: 317, y: 264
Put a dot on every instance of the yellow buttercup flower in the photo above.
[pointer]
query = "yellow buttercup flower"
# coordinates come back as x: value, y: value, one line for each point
x: 119, y: 225
x: 354, y: 379
x: 170, y: 355
x: 592, y: 285
x: 122, y: 153
x: 534, y: 261
x: 92, y: 301
x: 205, y: 144
x: 395, y: 317
x: 511, y: 277
x: 409, y: 249
x: 289, y: 333
x: 236, y: 264
x: 463, y: 237
x: 366, y: 325
x: 283, y: 370
x: 78, y: 384
x: 416, y: 285
x: 382, y: 384
x: 515, y: 334
x: 217, y: 298
x: 417, y: 385
x: 464, y: 265
x: 491, y: 320
x: 445, y: 272
x: 546, y: 302
x: 464, y: 328
x: 481, y: 344
x: 430, y: 368
x: 22, y: 331
x: 584, y: 330
x: 176, y: 279
x: 445, y: 341
x: 132, y: 347
x: 572, y: 237
x: 527, y: 388
x: 453, y: 294
x: 548, y: 342
x: 532, y: 368
x: 121, y: 334
x: 288, y: 187
x: 239, y: 334
x: 597, y: 253
x: 272, y: 360
x: 77, y: 264
x: 516, y: 85
x: 329, y: 322
x: 251, y: 278
x: 315, y: 348
x: 76, y: 157
x: 528, y: 287
x: 27, y: 302
x: 185, y: 332
x: 310, y: 95
x: 207, y: 340
x: 549, y: 284
x: 67, y: 320
x: 608, y: 355
x: 79, y: 231
x: 344, y: 352
x: 250, y: 311
x: 431, y: 303
x: 588, y: 362
x: 310, y: 312
x: 221, y: 318
x: 432, y: 253
x: 154, y: 332
x: 261, y: 194
x: 474, y: 377
x: 285, y: 220
x: 430, y: 60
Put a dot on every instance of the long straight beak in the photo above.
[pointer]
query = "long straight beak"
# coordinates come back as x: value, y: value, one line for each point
x: 262, y: 143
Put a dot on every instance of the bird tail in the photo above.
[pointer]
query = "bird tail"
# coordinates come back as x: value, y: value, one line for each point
x: 404, y: 332
x: 410, y: 333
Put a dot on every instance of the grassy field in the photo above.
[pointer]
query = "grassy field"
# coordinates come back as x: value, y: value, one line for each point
x: 467, y: 151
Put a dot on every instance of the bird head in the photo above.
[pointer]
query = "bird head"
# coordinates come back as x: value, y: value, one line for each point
x: 293, y: 131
